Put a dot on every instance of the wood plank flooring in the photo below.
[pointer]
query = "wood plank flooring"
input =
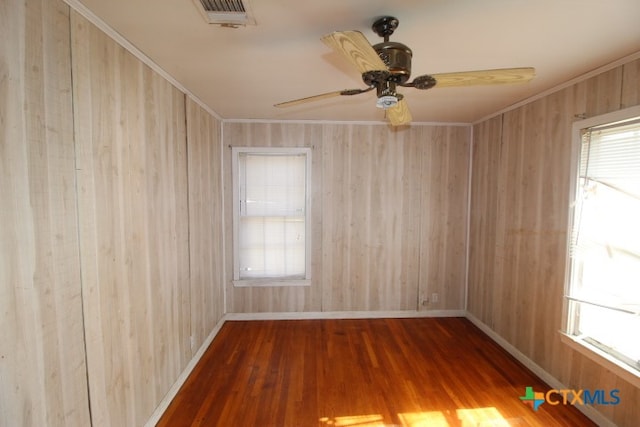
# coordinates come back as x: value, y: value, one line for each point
x: 374, y: 372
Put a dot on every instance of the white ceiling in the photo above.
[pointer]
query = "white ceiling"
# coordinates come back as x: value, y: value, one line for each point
x: 241, y: 72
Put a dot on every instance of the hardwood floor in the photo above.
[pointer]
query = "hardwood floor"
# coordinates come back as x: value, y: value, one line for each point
x: 374, y: 372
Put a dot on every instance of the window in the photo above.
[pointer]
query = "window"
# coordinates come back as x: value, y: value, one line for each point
x: 271, y: 216
x: 603, y: 289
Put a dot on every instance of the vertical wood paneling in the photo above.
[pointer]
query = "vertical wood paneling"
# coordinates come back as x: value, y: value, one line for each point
x: 336, y: 225
x: 133, y: 219
x: 533, y: 226
x: 444, y: 195
x: 517, y: 257
x: 205, y: 222
x: 369, y: 218
x: 631, y: 84
x: 514, y: 184
x: 483, y: 221
x: 367, y: 191
x: 42, y: 362
x: 604, y: 92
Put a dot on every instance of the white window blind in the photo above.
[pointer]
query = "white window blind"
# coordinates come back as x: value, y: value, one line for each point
x: 272, y: 214
x: 604, y: 288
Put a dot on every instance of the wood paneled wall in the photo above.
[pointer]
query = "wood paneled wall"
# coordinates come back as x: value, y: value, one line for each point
x: 132, y: 190
x: 134, y: 232
x: 519, y: 213
x: 388, y: 219
x: 205, y: 222
x: 149, y: 226
x: 111, y: 223
x: 443, y: 216
x: 42, y: 360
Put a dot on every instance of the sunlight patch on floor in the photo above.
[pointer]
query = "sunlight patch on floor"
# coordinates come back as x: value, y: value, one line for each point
x: 481, y: 417
x: 477, y: 417
x: 423, y: 419
x: 373, y: 420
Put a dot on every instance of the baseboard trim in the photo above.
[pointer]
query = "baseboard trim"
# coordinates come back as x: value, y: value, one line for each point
x: 588, y: 411
x: 173, y: 391
x: 313, y: 315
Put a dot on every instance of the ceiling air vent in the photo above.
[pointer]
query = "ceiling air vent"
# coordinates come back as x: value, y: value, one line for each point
x: 228, y: 13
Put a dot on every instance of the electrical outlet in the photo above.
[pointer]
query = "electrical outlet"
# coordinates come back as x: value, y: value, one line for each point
x: 423, y: 299
x: 434, y: 297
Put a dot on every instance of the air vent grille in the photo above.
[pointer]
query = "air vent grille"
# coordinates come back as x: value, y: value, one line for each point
x: 228, y: 13
x: 222, y: 6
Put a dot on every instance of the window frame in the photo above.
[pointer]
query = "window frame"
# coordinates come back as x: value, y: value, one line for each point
x: 582, y: 344
x: 235, y: 171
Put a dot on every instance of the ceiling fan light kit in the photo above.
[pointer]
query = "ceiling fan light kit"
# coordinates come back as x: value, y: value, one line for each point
x: 387, y: 101
x: 385, y: 66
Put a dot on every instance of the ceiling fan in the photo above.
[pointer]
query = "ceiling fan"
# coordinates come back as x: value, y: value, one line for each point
x: 387, y: 65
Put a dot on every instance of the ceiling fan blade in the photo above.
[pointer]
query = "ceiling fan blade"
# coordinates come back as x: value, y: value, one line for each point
x: 484, y: 77
x: 323, y: 96
x: 354, y: 46
x: 399, y: 114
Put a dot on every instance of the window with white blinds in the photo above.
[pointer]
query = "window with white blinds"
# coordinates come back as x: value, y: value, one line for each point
x: 271, y: 207
x: 604, y: 278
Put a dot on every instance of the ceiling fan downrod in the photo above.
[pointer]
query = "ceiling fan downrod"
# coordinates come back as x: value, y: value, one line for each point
x: 385, y: 26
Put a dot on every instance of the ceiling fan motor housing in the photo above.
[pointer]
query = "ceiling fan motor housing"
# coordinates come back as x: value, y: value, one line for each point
x: 397, y: 57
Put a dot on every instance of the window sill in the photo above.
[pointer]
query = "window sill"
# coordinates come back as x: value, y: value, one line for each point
x: 248, y: 283
x: 603, y: 359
